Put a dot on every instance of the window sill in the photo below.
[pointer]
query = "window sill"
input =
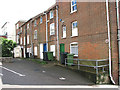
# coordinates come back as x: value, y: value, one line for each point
x: 73, y: 11
x: 51, y: 18
x: 75, y: 55
x: 52, y: 35
x: 47, y: 21
x: 63, y: 37
x: 74, y: 36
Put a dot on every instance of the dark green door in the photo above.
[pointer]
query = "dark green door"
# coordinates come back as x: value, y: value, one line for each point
x: 62, y: 48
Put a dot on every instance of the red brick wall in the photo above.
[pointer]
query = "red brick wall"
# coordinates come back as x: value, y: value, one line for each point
x: 92, y: 29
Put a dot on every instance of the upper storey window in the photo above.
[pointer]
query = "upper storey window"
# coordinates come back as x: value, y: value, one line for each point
x: 17, y: 26
x: 51, y: 14
x: 73, y: 6
x: 35, y: 23
x: 41, y: 20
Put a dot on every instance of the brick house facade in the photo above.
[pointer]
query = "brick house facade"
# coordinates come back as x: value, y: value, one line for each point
x: 83, y: 31
x: 90, y: 39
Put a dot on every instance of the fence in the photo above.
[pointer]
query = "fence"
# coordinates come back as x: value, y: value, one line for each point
x: 96, y: 66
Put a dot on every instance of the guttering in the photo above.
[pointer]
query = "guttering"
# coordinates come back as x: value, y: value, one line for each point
x: 110, y: 57
x: 46, y: 31
x: 57, y: 33
x: 31, y: 36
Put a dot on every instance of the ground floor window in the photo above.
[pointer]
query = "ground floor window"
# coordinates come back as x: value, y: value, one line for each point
x: 74, y: 48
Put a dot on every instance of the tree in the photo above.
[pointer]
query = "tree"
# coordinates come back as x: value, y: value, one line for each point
x: 7, y: 47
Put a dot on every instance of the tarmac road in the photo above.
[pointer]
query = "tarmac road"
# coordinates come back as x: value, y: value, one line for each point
x: 26, y: 72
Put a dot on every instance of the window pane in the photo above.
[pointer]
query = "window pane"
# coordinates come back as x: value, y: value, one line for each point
x: 35, y: 23
x: 51, y: 14
x: 74, y: 24
x: 64, y: 31
x: 75, y: 7
x: 75, y: 32
x: 74, y: 49
x: 52, y: 29
x: 72, y: 2
x: 41, y: 20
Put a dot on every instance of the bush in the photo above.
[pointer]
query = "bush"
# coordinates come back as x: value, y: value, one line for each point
x: 7, y: 47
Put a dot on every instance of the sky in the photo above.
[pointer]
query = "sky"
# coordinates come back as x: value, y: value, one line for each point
x: 14, y: 10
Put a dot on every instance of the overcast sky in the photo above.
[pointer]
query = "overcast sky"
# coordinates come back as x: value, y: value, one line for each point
x: 15, y: 10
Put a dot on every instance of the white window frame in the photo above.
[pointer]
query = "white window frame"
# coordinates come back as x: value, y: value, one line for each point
x: 21, y: 41
x: 74, y: 30
x: 28, y: 26
x: 17, y: 26
x: 41, y: 20
x: 72, y: 11
x: 73, y: 46
x: 35, y: 34
x: 35, y: 50
x: 52, y: 29
x: 17, y: 38
x: 51, y: 16
x: 64, y: 32
x: 28, y: 40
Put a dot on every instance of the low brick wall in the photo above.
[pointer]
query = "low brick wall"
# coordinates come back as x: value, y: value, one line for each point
x: 101, y: 78
x: 6, y: 59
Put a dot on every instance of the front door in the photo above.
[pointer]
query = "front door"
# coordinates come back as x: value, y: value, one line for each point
x: 45, y: 47
x: 22, y: 52
x: 41, y: 51
x: 62, y: 48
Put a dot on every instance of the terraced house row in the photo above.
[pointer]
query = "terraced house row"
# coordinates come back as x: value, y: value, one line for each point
x: 89, y: 30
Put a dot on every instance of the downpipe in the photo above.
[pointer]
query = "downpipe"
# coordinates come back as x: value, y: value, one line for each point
x: 57, y: 33
x: 118, y: 28
x: 110, y: 59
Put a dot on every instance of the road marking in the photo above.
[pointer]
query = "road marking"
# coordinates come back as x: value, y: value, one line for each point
x: 0, y: 64
x: 1, y: 74
x: 21, y: 75
x: 60, y: 86
x: 43, y: 71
